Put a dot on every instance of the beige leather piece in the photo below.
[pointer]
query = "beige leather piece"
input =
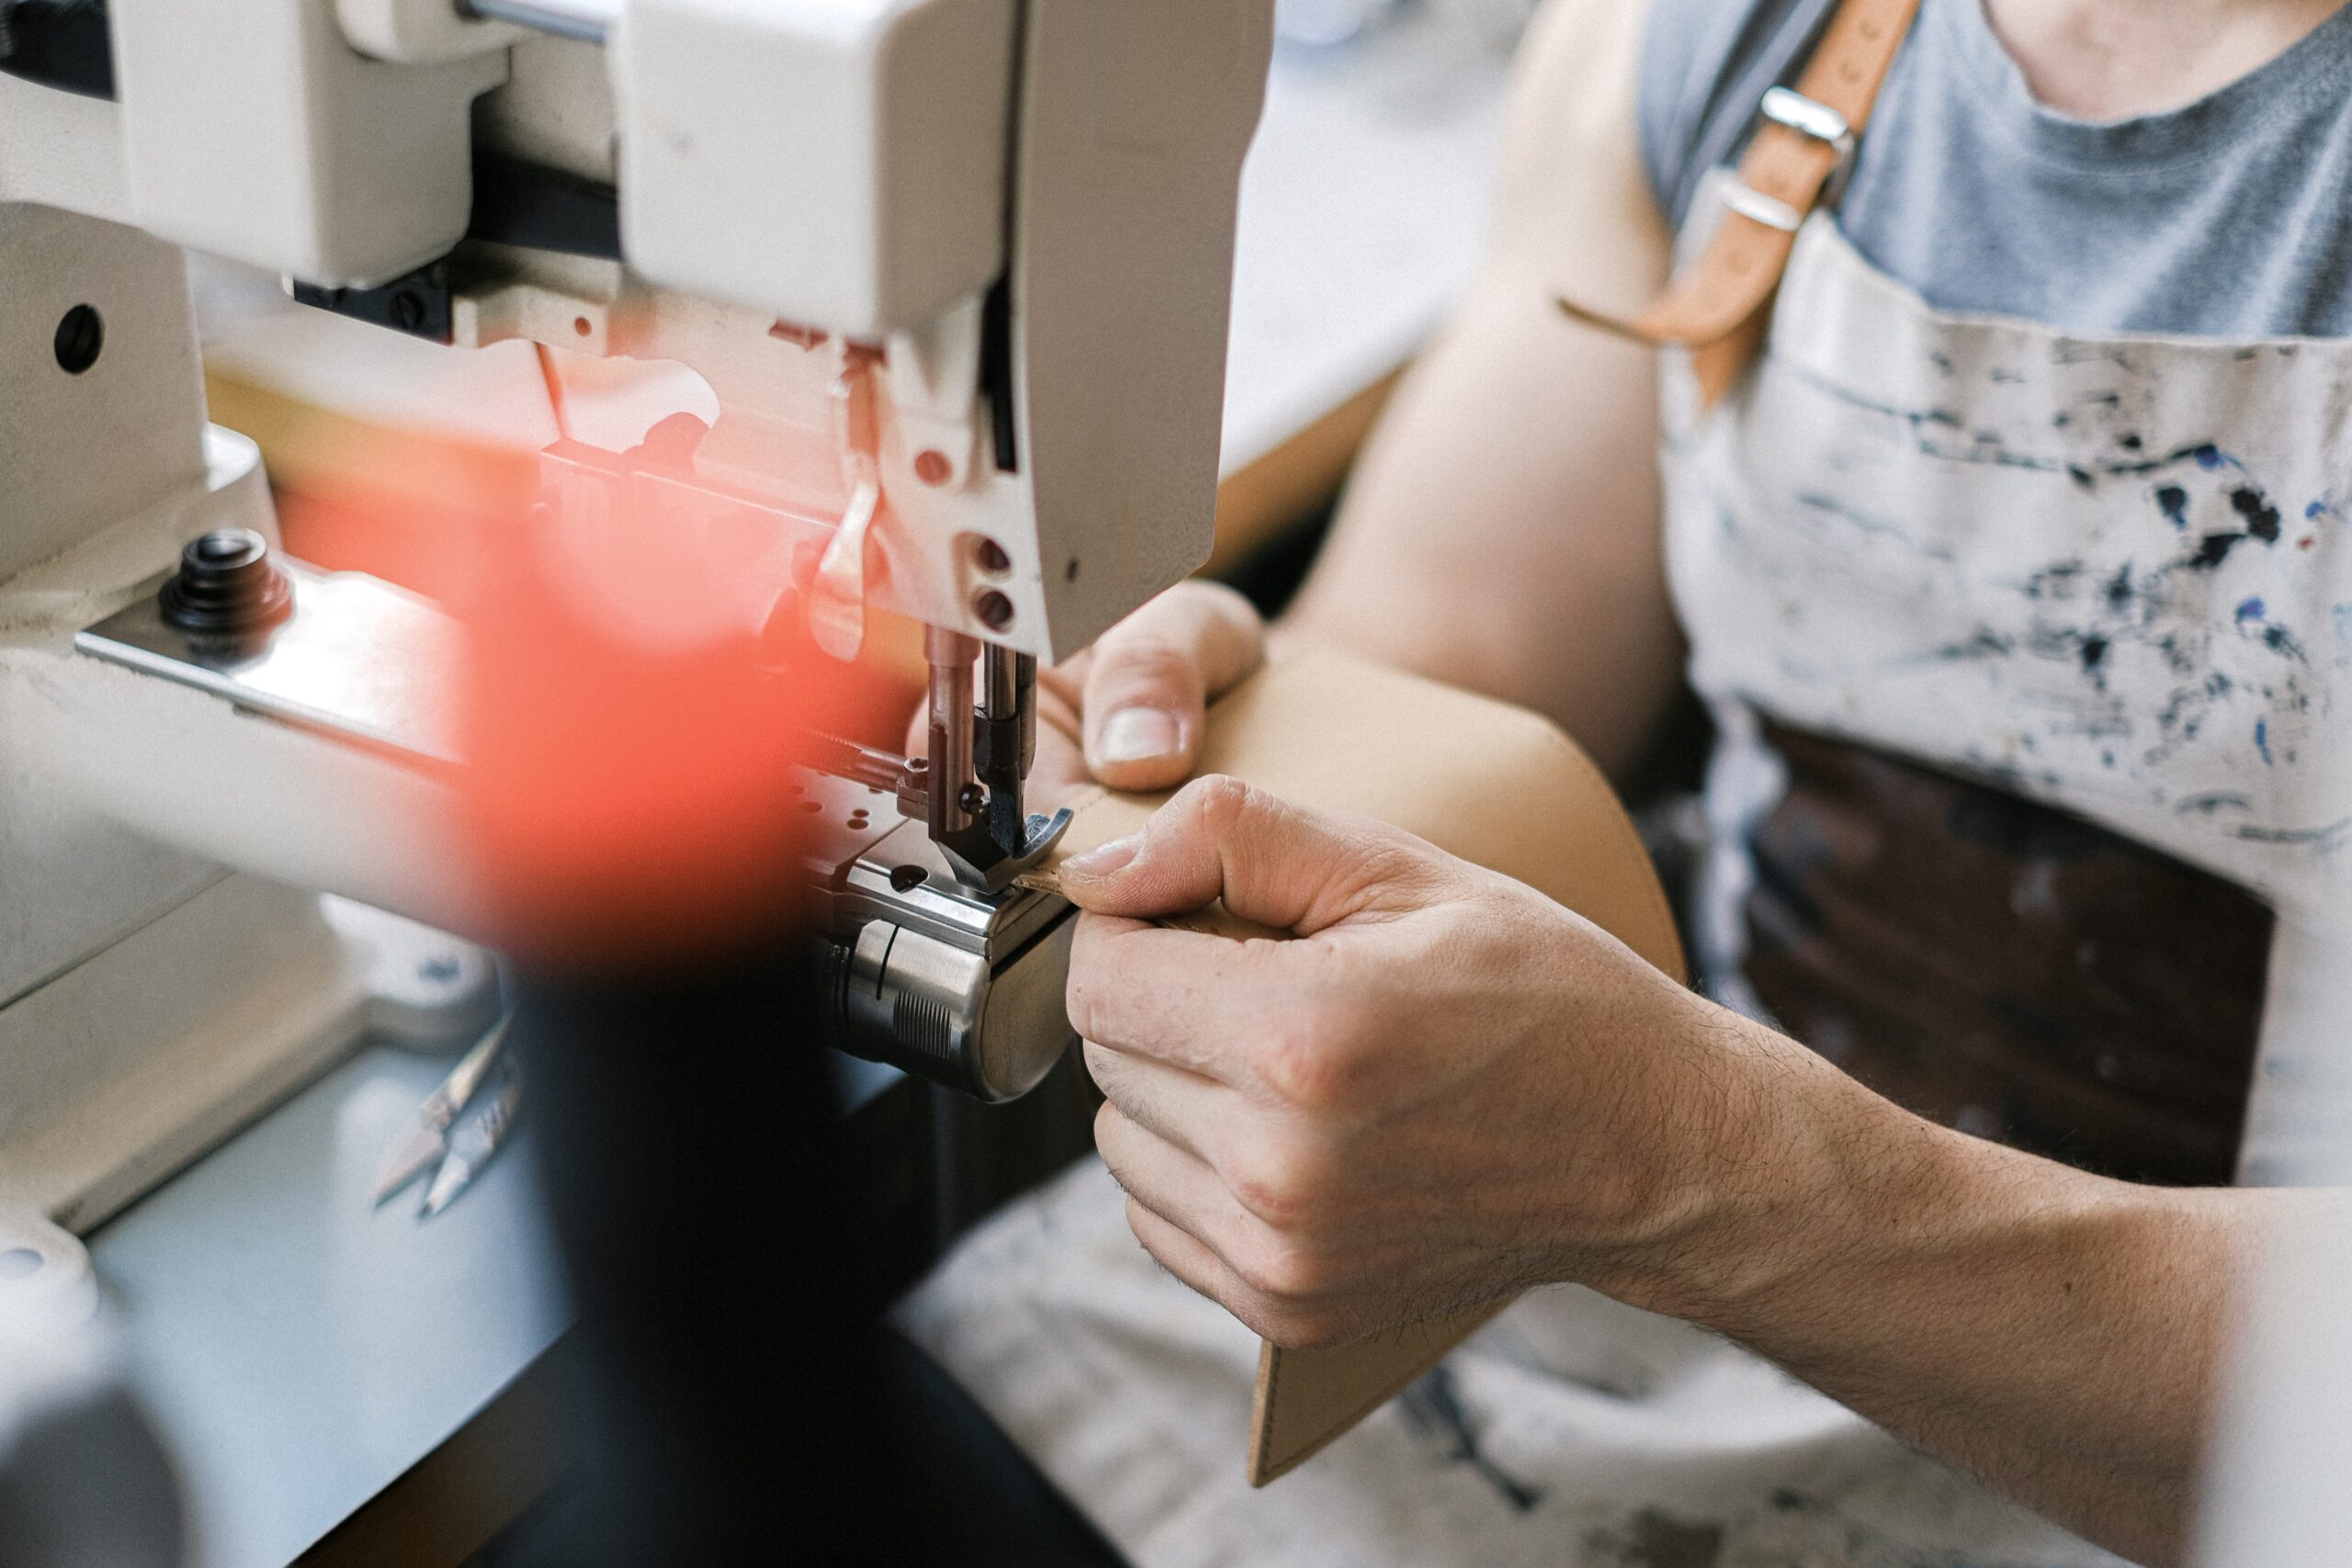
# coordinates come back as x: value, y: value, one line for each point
x: 1483, y: 780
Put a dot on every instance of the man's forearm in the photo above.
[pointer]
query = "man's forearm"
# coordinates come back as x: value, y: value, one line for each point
x: 2053, y: 1333
x: 1527, y: 567
x: 1502, y: 530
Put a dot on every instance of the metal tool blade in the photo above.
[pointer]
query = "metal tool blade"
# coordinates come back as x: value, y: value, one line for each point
x: 472, y: 1144
x: 424, y: 1144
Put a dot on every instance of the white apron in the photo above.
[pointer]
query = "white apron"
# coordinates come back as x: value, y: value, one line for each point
x: 2114, y: 573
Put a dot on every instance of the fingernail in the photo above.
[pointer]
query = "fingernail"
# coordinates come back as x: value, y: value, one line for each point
x: 1105, y: 859
x: 1136, y: 735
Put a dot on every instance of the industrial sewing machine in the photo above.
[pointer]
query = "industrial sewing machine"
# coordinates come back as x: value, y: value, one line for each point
x: 957, y: 273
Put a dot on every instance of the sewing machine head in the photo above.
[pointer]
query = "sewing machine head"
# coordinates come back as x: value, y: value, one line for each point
x: 955, y: 271
x: 972, y: 253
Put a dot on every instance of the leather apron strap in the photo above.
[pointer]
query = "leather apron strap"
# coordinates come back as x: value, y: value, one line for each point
x: 1718, y: 306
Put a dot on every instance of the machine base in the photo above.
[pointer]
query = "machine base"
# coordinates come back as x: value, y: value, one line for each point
x: 128, y: 1066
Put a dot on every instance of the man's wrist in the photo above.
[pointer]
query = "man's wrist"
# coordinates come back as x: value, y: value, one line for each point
x: 1819, y: 1194
x: 2053, y: 1332
x: 1794, y: 1167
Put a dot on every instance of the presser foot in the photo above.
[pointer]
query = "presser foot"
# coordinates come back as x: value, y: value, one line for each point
x: 980, y: 860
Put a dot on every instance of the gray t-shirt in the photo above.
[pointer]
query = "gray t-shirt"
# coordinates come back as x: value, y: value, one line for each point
x: 2230, y: 218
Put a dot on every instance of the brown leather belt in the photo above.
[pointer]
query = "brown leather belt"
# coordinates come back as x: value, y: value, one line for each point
x: 2007, y: 968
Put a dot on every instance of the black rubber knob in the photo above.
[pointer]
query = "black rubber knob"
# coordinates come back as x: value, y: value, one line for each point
x: 227, y: 586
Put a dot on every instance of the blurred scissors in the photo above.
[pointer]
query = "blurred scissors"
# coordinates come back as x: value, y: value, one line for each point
x: 454, y: 1157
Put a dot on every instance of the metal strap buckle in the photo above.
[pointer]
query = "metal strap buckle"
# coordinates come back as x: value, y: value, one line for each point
x: 1769, y: 210
x: 1806, y: 117
x: 1810, y: 116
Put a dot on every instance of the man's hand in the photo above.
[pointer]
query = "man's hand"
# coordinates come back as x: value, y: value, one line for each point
x: 1129, y: 712
x: 1447, y: 1089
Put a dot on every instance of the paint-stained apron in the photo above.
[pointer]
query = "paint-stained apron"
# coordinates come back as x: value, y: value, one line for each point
x: 2032, y: 657
x: 2053, y: 633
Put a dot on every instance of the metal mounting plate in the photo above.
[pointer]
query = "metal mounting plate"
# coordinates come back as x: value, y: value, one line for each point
x: 358, y: 657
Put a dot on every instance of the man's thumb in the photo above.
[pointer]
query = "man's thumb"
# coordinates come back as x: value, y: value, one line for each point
x: 1271, y: 862
x: 1150, y: 678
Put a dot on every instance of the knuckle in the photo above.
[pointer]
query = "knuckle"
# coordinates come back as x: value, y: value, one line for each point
x: 1317, y: 1331
x: 1266, y: 1194
x: 1316, y: 1063
x: 1083, y: 1000
x: 1296, y: 1328
x: 1401, y: 859
x: 1283, y: 1273
x: 1092, y: 989
x: 1285, y: 1186
x: 1114, y: 1141
x: 1460, y: 934
x: 1102, y: 1066
x: 1395, y: 861
x: 1223, y: 802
